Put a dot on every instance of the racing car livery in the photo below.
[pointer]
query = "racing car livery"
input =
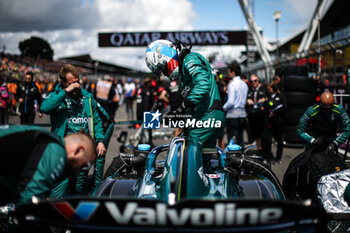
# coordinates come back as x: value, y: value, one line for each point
x: 192, y: 189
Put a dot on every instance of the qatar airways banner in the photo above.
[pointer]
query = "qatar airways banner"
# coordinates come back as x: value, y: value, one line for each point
x: 137, y: 39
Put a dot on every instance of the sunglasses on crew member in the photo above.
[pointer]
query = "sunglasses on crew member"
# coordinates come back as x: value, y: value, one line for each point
x: 255, y: 80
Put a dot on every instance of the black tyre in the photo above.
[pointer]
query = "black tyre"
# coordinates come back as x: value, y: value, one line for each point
x: 123, y: 187
x: 298, y: 83
x: 257, y: 188
x: 297, y: 99
x: 293, y: 115
x: 116, y: 187
x: 284, y: 71
x: 105, y: 188
x: 291, y: 137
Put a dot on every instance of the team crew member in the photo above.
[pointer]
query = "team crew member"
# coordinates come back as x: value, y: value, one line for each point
x: 40, y: 163
x: 72, y: 109
x: 28, y: 94
x: 108, y: 128
x: 323, y: 119
x: 276, y: 120
x: 201, y: 95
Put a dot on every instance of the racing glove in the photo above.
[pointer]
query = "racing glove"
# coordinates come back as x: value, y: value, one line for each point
x: 184, y: 106
x: 318, y: 141
x: 331, y: 149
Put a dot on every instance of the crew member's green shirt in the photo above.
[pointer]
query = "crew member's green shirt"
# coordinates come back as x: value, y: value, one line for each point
x: 65, y: 117
x: 33, y: 161
x: 314, y: 124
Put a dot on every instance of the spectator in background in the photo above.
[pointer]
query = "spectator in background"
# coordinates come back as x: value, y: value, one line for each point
x: 319, y: 87
x: 137, y: 83
x: 139, y: 109
x: 88, y: 86
x: 276, y: 109
x: 277, y: 81
x: 13, y: 89
x: 130, y: 93
x: 256, y: 106
x: 105, y: 92
x: 40, y: 84
x: 4, y: 102
x: 85, y: 84
x: 327, y: 84
x: 145, y: 98
x: 235, y: 105
x: 120, y: 88
x: 222, y: 87
x: 114, y: 98
x: 29, y: 95
x: 247, y: 126
x: 162, y: 97
x: 48, y: 87
x: 245, y: 79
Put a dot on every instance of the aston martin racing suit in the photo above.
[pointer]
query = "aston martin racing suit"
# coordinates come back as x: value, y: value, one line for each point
x: 69, y: 115
x: 314, y: 124
x: 34, y: 168
x: 199, y: 87
x: 108, y: 128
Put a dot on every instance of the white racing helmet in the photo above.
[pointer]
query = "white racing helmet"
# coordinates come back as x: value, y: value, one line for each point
x: 162, y: 59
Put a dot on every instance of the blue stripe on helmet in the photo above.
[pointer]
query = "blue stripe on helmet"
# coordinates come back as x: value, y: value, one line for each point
x: 164, y: 50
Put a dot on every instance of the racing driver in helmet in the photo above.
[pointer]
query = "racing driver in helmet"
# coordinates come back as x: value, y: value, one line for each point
x: 169, y: 60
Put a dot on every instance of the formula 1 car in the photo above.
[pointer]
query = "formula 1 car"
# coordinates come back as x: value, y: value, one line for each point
x: 193, y: 189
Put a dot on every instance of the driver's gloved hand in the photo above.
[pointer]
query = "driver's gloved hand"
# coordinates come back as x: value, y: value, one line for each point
x: 181, y: 110
x: 318, y: 141
x: 331, y: 149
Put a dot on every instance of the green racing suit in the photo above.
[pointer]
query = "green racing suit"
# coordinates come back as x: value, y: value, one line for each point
x: 69, y: 116
x: 108, y: 128
x: 314, y: 124
x: 199, y: 87
x: 34, y: 168
x: 60, y: 107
